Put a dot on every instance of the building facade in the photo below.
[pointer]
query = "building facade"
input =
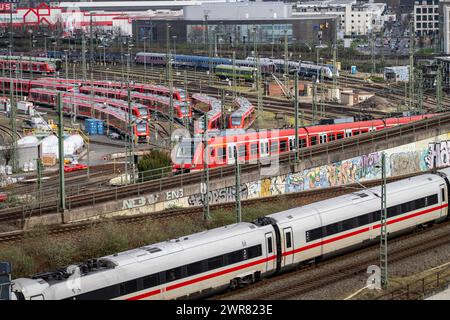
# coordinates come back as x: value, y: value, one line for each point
x: 355, y: 18
x: 237, y: 24
x: 444, y: 26
x: 426, y: 18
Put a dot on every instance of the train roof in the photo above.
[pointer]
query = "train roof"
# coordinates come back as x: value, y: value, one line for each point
x: 245, y: 106
x: 175, y: 245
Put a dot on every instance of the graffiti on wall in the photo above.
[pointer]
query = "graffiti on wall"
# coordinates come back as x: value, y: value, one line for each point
x: 227, y: 194
x: 438, y: 154
x: 409, y: 158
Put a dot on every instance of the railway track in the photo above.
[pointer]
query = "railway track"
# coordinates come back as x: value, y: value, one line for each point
x: 326, y: 273
x: 170, y: 182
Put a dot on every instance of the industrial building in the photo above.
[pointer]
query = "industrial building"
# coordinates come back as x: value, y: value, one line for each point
x: 396, y: 74
x: 236, y: 24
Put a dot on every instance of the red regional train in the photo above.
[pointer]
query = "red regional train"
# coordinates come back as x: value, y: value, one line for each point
x: 114, y: 117
x: 181, y: 110
x: 243, y: 117
x: 25, y: 85
x: 178, y: 93
x: 28, y: 66
x: 254, y: 146
x: 48, y: 97
x: 212, y: 108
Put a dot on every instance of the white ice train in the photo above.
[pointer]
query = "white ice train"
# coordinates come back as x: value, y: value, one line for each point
x: 238, y: 254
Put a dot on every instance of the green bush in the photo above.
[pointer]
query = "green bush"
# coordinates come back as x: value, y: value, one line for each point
x: 22, y: 263
x: 152, y: 161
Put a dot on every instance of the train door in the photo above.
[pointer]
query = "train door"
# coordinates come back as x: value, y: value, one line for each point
x: 322, y: 138
x: 270, y: 251
x: 348, y: 133
x: 264, y: 148
x: 231, y: 149
x: 288, y: 246
x: 291, y: 143
x: 444, y: 200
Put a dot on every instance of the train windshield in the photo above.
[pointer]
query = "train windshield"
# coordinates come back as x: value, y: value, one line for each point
x: 184, y: 109
x: 182, y: 94
x: 235, y: 120
x: 141, y: 127
x: 143, y: 111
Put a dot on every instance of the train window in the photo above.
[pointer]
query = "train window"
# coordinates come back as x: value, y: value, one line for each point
x: 419, y: 203
x: 331, y: 137
x: 349, y: 224
x: 443, y: 194
x: 195, y: 268
x: 254, y: 149
x: 314, y: 234
x: 356, y: 132
x: 128, y: 287
x: 313, y: 140
x: 376, y: 216
x: 288, y: 240
x: 254, y: 252
x: 340, y: 136
x: 242, y: 151
x: 221, y: 153
x: 363, y: 220
x: 150, y: 281
x: 433, y: 199
x: 407, y: 206
x: 214, y: 263
x: 283, y: 145
x: 394, y: 211
x: 302, y: 143
x: 173, y: 274
x: 234, y: 257
x: 269, y: 245
x: 273, y: 147
x: 331, y: 229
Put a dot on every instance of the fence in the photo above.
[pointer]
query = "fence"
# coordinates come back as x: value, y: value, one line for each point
x: 420, y: 288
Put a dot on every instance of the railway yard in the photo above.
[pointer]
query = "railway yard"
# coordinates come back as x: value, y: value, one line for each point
x: 197, y: 177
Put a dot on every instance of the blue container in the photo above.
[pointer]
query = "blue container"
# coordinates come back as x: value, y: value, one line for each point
x: 354, y: 70
x: 100, y: 127
x: 90, y: 126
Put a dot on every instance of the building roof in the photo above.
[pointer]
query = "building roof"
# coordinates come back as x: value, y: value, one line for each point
x: 134, y: 5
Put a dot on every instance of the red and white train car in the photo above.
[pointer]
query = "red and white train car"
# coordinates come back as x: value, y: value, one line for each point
x: 181, y: 110
x: 48, y: 97
x: 28, y: 66
x: 212, y: 109
x: 254, y: 146
x: 243, y: 117
x: 24, y: 86
x: 114, y: 117
x: 178, y: 93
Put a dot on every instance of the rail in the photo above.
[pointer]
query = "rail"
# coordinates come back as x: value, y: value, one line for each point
x: 178, y: 181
